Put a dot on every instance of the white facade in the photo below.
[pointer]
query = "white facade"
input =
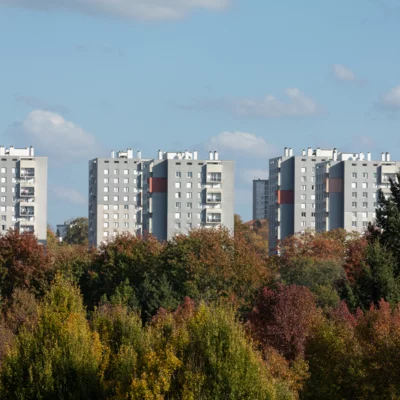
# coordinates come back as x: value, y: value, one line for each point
x: 23, y: 192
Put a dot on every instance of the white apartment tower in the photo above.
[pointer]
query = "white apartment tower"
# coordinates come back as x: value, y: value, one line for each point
x: 325, y: 190
x: 164, y: 196
x: 23, y: 192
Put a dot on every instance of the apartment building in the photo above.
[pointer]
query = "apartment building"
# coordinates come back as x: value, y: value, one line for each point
x: 325, y: 190
x: 164, y: 196
x: 23, y: 192
x: 260, y: 199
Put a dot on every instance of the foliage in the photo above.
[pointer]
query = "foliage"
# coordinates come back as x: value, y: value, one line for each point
x: 77, y: 232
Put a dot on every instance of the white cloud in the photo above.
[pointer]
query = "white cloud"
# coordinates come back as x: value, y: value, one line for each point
x: 70, y: 194
x: 124, y: 9
x: 344, y: 74
x: 296, y: 105
x: 391, y: 99
x: 52, y: 135
x: 240, y: 142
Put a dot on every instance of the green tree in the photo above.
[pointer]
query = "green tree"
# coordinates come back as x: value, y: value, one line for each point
x: 77, y: 232
x: 60, y: 358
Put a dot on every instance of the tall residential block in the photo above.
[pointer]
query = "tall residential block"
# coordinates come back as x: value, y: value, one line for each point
x: 325, y: 190
x: 165, y: 196
x: 23, y: 192
x: 260, y: 199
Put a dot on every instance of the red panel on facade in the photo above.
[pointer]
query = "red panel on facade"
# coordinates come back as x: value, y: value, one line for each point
x: 335, y: 185
x: 285, y: 196
x: 157, y: 185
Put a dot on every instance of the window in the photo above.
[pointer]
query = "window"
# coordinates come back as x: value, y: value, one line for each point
x: 354, y: 185
x: 313, y: 224
x: 303, y: 223
x: 3, y: 180
x: 189, y: 195
x: 177, y: 215
x: 303, y: 214
x: 199, y: 175
x: 354, y: 195
x: 105, y: 180
x: 105, y: 224
x: 188, y: 185
x: 304, y: 179
x: 365, y: 175
x: 126, y: 180
x: 189, y: 215
x: 105, y: 198
x: 354, y: 204
x: 13, y: 170
x: 3, y: 189
x: 126, y: 172
x: 303, y: 170
x: 125, y: 198
x: 190, y: 175
x: 126, y: 207
x: 354, y: 224
x: 116, y: 171
x: 303, y: 188
x: 106, y: 171
x: 116, y: 180
x: 312, y: 169
x: 3, y: 170
x: 126, y: 225
x: 177, y: 174
x: 3, y: 218
x: 106, y: 216
x: 199, y: 205
x: 313, y: 214
x: 374, y: 185
x: 116, y: 190
x: 375, y: 204
x: 177, y: 195
x: 303, y: 196
x: 365, y: 195
x: 126, y: 216
x: 105, y: 234
x: 105, y: 207
x: 116, y: 207
x: 105, y: 189
x: 199, y: 215
x: 365, y: 215
x: 365, y: 185
x: 313, y: 205
x: 303, y: 205
x: 374, y: 195
x: 116, y: 224
x: 354, y: 175
x: 177, y: 185
x: 116, y: 198
x: 365, y: 224
x: 189, y: 205
x: 115, y: 216
x: 313, y: 197
x: 178, y: 204
x: 354, y: 214
x: 189, y: 225
x: 365, y: 205
x: 177, y: 225
x: 312, y: 178
x: 126, y: 190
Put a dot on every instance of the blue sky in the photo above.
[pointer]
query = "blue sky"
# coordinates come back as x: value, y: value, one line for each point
x: 246, y: 77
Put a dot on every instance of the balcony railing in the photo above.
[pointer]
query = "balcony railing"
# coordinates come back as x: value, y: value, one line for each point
x: 213, y: 219
x: 214, y: 198
x: 27, y: 211
x: 214, y: 178
x: 27, y: 192
x: 27, y: 229
x: 27, y: 173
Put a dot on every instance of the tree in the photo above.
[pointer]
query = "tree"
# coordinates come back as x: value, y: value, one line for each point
x: 77, y: 232
x: 283, y: 319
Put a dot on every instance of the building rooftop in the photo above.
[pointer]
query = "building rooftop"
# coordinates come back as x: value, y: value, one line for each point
x: 13, y: 151
x: 166, y: 155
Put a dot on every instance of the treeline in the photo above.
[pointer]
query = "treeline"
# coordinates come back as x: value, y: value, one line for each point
x: 204, y: 316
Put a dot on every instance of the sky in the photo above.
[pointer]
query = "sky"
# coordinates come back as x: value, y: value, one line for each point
x: 244, y: 77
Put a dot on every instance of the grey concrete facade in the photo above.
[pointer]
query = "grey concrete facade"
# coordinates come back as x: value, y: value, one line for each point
x: 324, y: 190
x: 260, y: 199
x: 23, y: 192
x: 165, y: 196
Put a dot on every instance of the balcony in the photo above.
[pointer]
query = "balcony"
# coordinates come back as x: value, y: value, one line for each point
x: 26, y: 192
x: 214, y: 177
x: 213, y: 218
x: 213, y: 198
x: 27, y: 173
x: 27, y: 211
